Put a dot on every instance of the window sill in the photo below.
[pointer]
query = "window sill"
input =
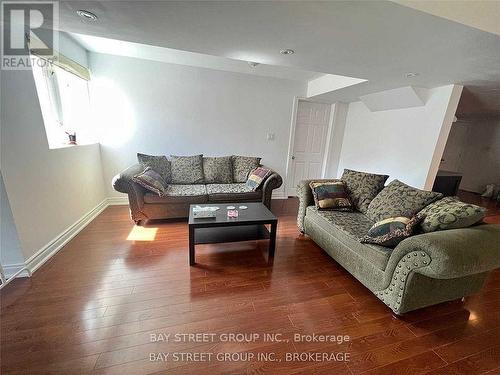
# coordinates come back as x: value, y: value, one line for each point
x: 58, y: 147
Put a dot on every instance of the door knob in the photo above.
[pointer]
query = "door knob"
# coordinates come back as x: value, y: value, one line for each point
x: 293, y: 157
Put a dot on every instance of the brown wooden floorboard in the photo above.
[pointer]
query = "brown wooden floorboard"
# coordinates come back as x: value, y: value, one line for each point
x: 93, y: 307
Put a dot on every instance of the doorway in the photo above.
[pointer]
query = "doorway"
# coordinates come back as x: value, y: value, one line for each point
x: 308, y: 148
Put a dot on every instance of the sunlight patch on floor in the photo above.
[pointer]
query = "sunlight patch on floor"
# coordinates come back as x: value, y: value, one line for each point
x: 142, y: 234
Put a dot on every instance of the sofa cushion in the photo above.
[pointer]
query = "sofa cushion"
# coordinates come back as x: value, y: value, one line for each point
x: 330, y: 195
x: 242, y: 166
x: 180, y: 194
x: 350, y: 228
x: 232, y: 192
x: 187, y: 169
x: 362, y: 187
x: 160, y: 164
x: 399, y: 199
x: 151, y: 180
x: 218, y: 170
x: 257, y: 177
x: 391, y: 231
x: 450, y: 213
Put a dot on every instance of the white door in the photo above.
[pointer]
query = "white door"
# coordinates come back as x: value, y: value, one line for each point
x: 308, y: 151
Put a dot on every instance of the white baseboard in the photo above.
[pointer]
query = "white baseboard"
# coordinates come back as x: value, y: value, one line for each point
x: 11, y: 269
x: 117, y: 201
x: 279, y: 194
x: 49, y: 250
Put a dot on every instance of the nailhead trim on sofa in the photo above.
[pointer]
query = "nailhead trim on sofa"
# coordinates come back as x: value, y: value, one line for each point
x: 392, y: 295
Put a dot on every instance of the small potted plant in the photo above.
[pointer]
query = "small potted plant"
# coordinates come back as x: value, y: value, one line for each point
x: 71, y: 137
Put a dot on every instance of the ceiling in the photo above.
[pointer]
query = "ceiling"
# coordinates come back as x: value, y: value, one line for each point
x: 481, y: 14
x: 176, y: 56
x: 375, y: 40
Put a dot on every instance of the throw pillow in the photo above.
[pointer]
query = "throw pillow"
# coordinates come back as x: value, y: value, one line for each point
x: 159, y: 163
x: 242, y: 166
x: 151, y: 180
x: 187, y: 169
x: 257, y: 177
x: 218, y: 170
x: 330, y: 195
x: 399, y: 199
x: 363, y: 187
x: 390, y: 232
x: 450, y: 213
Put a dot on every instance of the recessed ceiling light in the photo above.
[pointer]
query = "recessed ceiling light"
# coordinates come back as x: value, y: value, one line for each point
x: 85, y: 14
x: 411, y: 74
x: 253, y: 64
x: 287, y: 51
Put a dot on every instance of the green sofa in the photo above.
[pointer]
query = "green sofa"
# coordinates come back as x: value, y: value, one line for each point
x: 423, y: 270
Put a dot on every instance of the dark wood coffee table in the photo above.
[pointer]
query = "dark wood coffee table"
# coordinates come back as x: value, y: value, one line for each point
x: 249, y: 226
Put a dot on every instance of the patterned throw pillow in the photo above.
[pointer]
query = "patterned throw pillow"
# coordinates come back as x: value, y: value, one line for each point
x: 187, y: 169
x: 159, y: 163
x: 399, y: 199
x: 450, y: 213
x: 330, y: 195
x: 242, y: 166
x: 151, y: 180
x: 218, y: 170
x: 257, y: 177
x: 389, y: 232
x: 363, y: 187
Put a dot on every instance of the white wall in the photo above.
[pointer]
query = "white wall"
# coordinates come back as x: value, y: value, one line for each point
x: 10, y: 247
x: 339, y: 113
x: 160, y: 108
x: 473, y: 150
x: 48, y: 190
x: 402, y: 143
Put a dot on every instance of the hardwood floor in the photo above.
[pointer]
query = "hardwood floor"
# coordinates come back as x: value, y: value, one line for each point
x: 95, y: 306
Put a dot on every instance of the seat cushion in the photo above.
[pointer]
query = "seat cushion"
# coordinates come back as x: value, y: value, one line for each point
x: 399, y: 199
x: 179, y: 194
x: 350, y: 228
x: 237, y: 192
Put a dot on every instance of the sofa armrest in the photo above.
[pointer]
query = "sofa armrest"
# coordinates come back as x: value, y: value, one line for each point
x: 123, y: 183
x: 304, y: 193
x: 273, y: 181
x: 453, y: 253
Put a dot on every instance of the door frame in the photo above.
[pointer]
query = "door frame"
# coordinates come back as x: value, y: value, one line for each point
x: 291, y: 140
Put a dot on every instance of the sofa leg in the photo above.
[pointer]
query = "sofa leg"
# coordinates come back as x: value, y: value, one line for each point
x: 137, y: 222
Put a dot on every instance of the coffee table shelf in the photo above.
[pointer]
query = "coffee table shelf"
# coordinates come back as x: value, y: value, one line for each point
x: 231, y: 234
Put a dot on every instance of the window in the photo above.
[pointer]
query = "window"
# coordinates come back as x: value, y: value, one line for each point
x: 65, y: 104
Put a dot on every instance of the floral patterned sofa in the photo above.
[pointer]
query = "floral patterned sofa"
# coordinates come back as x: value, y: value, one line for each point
x: 193, y: 180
